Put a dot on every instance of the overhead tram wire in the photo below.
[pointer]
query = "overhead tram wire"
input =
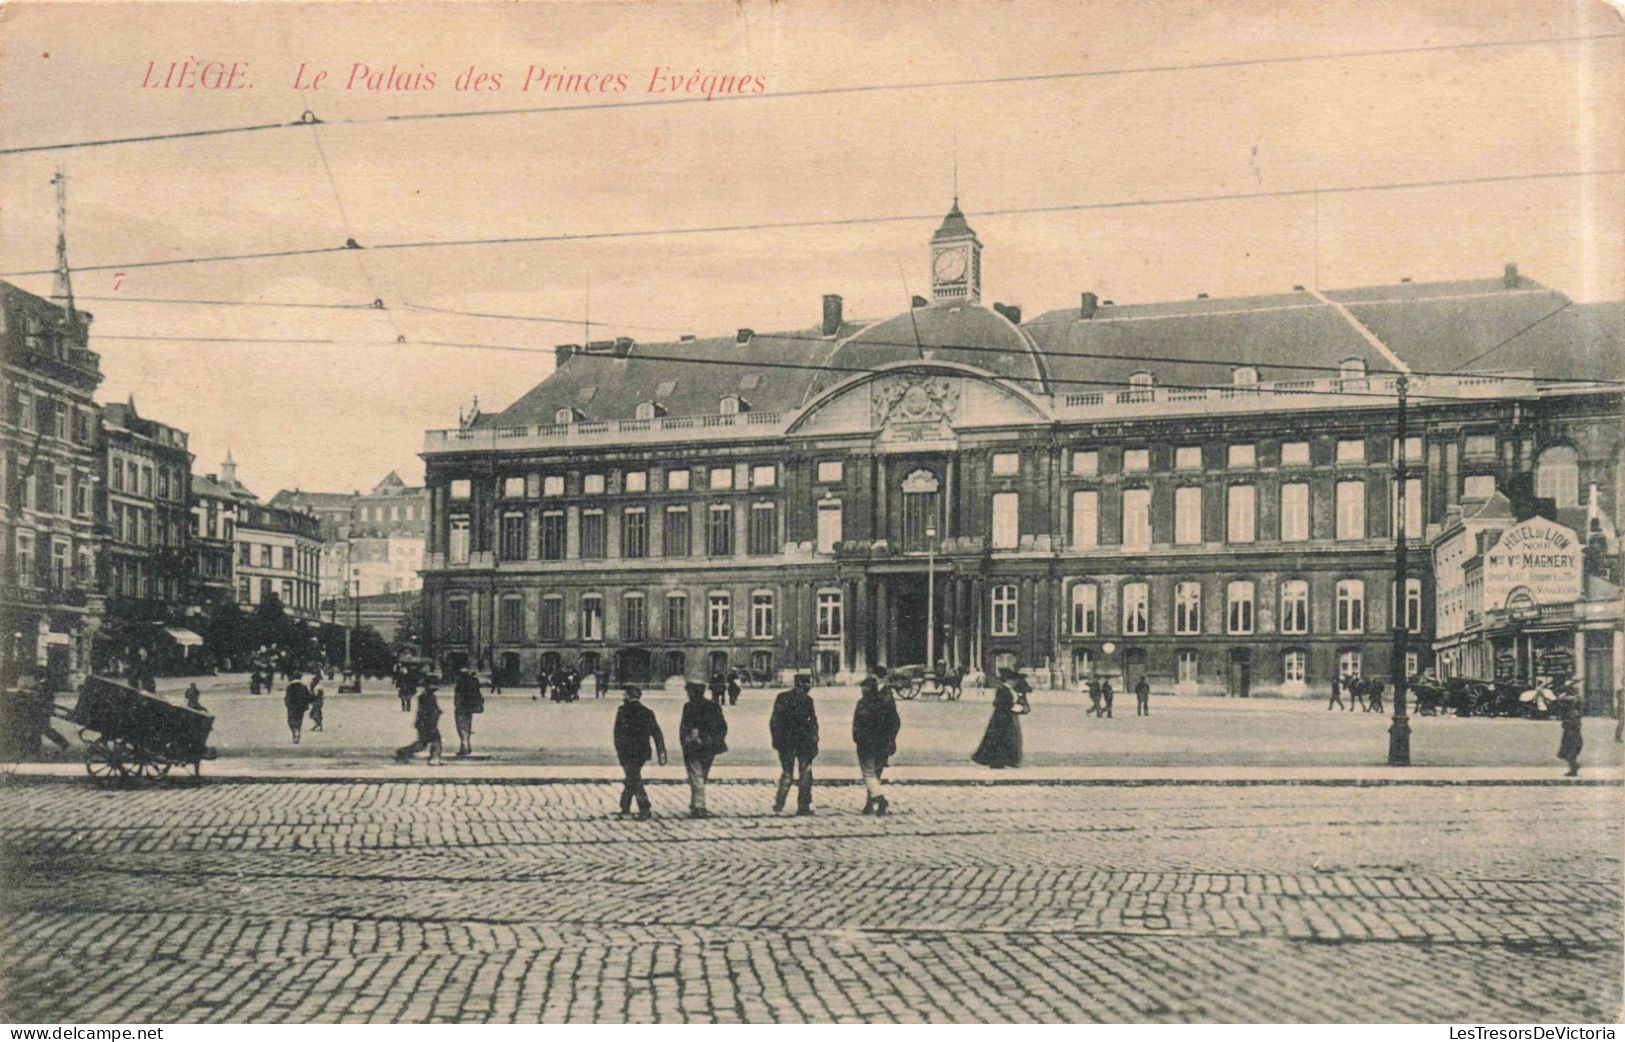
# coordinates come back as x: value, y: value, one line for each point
x: 837, y: 222
x: 308, y: 118
x: 752, y: 364
x: 120, y: 298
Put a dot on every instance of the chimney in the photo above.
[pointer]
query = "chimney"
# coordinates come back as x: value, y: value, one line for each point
x: 1297, y: 287
x: 686, y: 338
x: 918, y: 302
x: 623, y: 346
x: 562, y: 353
x: 832, y: 314
x: 1011, y: 312
x: 1510, y: 278
x: 1090, y: 305
x: 1201, y: 296
x: 744, y: 336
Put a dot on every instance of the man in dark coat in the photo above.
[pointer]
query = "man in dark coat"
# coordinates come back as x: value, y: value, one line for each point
x: 1337, y: 694
x: 1106, y: 696
x: 733, y: 688
x: 466, y: 700
x: 794, y: 728
x: 875, y: 724
x: 1568, y: 749
x: 1142, y: 697
x: 635, y: 728
x: 703, y: 735
x: 296, y: 699
x: 719, y: 688
x: 426, y: 724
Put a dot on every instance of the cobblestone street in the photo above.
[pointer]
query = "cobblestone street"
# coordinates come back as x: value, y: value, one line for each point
x: 473, y: 901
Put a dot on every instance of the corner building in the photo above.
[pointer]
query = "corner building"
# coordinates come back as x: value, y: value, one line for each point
x: 1076, y: 493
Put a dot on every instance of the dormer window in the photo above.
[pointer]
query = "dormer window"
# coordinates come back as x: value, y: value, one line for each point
x: 1244, y: 376
x: 732, y: 405
x: 1351, y: 369
x: 1142, y: 379
x: 649, y: 410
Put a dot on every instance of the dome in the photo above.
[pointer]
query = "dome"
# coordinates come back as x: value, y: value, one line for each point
x: 964, y: 334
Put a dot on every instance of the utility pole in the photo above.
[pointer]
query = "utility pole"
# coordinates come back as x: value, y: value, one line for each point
x: 931, y: 597
x: 1399, y: 734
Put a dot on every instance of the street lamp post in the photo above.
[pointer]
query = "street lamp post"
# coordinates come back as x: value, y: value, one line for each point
x: 931, y: 598
x: 1399, y: 733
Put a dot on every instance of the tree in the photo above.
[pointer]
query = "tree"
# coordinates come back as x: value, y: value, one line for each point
x: 409, y: 632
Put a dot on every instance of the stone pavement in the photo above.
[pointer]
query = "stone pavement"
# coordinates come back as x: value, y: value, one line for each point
x: 490, y: 901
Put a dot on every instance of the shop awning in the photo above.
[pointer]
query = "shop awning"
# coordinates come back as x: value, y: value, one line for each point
x: 185, y: 638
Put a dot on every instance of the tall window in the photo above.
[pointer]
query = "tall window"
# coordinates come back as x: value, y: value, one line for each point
x: 1351, y: 510
x: 1413, y: 508
x: 592, y: 533
x: 1085, y: 609
x: 1292, y: 667
x: 829, y: 525
x: 456, y: 542
x: 1350, y: 606
x: 1188, y: 608
x: 920, y: 510
x: 829, y: 613
x: 719, y: 618
x: 762, y: 624
x: 1085, y: 518
x: 634, y: 617
x: 1349, y: 663
x: 676, y: 616
x: 1295, y: 511
x: 26, y: 565
x: 635, y: 532
x: 592, y: 617
x: 553, y: 535
x: 552, y: 618
x: 59, y: 493
x: 1136, y: 518
x: 1136, y: 609
x: 1239, y: 607
x: 1006, y: 526
x: 719, y: 530
x: 763, y: 537
x: 675, y: 540
x: 1186, y: 670
x: 513, y: 537
x: 511, y: 620
x: 1241, y: 516
x: 1003, y: 622
x: 1411, y: 609
x: 456, y: 618
x: 1295, y: 606
x: 1188, y: 515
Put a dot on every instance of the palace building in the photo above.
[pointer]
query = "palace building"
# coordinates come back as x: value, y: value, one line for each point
x: 1200, y: 491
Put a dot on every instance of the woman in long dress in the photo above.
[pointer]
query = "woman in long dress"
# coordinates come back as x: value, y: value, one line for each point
x: 1001, y: 742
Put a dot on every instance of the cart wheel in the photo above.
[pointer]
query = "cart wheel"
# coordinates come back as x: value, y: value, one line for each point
x: 146, y: 765
x: 908, y: 693
x: 107, y: 761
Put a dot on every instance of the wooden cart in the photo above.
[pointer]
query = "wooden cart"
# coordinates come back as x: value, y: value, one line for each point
x: 130, y: 736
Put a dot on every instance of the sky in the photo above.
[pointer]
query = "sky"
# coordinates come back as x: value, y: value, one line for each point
x: 338, y: 415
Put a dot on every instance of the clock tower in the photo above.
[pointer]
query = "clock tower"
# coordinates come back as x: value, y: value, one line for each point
x: 956, y: 261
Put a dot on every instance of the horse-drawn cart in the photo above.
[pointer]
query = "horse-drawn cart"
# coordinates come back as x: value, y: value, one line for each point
x: 131, y: 736
x: 910, y: 682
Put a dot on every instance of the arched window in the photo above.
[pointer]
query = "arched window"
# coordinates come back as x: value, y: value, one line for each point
x: 1244, y: 376
x: 1143, y: 378
x: 564, y: 415
x: 1352, y: 369
x: 732, y: 405
x: 648, y: 410
x: 1557, y: 475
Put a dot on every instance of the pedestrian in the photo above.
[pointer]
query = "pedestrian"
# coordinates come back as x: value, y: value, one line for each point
x: 875, y: 724
x: 466, y: 700
x: 318, y: 699
x: 1568, y: 749
x: 599, y: 680
x: 733, y: 688
x: 1001, y: 742
x: 1095, y: 707
x: 1337, y: 693
x: 426, y: 724
x: 719, y: 688
x: 496, y: 680
x: 1374, y: 693
x: 635, y: 728
x: 1106, y: 696
x: 541, y: 684
x: 794, y: 730
x: 194, y: 698
x: 1356, y: 692
x: 296, y: 699
x: 406, y: 686
x: 1142, y: 697
x: 703, y: 735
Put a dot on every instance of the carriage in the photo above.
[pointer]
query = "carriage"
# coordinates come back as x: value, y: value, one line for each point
x: 130, y: 736
x: 911, y: 682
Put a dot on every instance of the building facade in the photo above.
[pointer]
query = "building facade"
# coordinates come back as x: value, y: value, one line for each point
x: 1200, y: 492
x: 278, y: 555
x: 381, y: 531
x: 146, y: 472
x: 50, y: 600
x: 214, y: 503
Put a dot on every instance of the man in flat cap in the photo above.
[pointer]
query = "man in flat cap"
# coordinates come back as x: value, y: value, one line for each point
x: 794, y: 727
x: 703, y: 735
x: 635, y: 728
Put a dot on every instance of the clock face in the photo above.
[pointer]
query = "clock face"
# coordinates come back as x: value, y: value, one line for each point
x: 950, y: 266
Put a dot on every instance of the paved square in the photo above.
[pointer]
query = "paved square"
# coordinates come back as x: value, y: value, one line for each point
x: 472, y: 901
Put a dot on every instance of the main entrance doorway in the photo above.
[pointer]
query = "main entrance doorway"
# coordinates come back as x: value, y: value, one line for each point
x: 907, y: 622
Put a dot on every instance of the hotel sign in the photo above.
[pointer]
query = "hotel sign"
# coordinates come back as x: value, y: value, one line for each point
x: 1537, y: 560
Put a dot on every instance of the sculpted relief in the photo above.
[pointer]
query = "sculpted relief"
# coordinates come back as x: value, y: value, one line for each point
x: 915, y: 408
